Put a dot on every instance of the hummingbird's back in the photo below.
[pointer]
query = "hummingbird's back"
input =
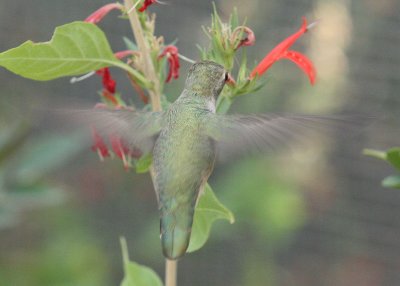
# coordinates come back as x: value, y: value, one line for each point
x: 183, y: 158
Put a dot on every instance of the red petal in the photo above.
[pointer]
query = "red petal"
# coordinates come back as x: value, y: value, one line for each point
x: 139, y: 90
x: 99, y: 14
x: 171, y: 52
x: 249, y: 40
x: 146, y: 4
x: 123, y: 54
x: 108, y: 96
x: 303, y: 63
x: 120, y: 150
x: 173, y: 68
x: 278, y: 51
x: 99, y: 145
x: 108, y: 83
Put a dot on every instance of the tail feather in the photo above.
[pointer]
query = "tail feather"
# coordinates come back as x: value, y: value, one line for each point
x: 175, y: 233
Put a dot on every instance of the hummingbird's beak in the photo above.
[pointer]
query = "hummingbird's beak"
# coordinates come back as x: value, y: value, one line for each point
x: 229, y: 80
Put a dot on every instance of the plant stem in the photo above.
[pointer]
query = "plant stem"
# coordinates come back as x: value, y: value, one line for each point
x: 155, y: 97
x: 149, y: 70
x: 148, y: 67
x: 170, y: 272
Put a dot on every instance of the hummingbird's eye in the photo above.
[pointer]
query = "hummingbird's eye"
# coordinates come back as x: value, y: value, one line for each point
x: 226, y: 77
x: 229, y: 79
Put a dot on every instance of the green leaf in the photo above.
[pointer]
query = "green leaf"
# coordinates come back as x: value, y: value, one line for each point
x: 136, y: 274
x: 393, y: 156
x: 143, y: 164
x: 392, y: 182
x: 207, y: 211
x: 75, y: 48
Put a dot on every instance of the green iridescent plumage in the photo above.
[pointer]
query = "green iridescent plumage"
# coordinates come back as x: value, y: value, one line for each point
x: 184, y: 156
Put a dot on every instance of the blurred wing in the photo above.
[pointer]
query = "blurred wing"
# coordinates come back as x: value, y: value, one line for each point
x: 136, y: 128
x: 236, y: 134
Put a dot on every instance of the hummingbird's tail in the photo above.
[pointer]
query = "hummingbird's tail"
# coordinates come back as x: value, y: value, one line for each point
x: 175, y: 228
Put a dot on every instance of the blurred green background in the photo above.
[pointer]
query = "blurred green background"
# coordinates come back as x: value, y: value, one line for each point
x: 312, y: 215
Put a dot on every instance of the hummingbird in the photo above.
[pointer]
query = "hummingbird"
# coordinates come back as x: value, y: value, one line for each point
x: 186, y: 138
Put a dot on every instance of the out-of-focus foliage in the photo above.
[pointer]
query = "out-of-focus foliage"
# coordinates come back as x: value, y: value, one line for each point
x: 136, y: 274
x: 271, y: 206
x: 65, y: 254
x: 25, y: 162
x: 392, y: 156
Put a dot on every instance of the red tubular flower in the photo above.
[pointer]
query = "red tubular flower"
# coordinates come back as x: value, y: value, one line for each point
x: 120, y: 150
x: 110, y: 98
x: 122, y: 54
x: 146, y: 4
x: 281, y: 52
x: 99, y: 146
x: 100, y: 13
x: 108, y: 82
x: 139, y: 90
x: 171, y: 52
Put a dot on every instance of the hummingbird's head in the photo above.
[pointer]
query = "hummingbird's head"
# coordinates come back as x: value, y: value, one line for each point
x: 206, y: 78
